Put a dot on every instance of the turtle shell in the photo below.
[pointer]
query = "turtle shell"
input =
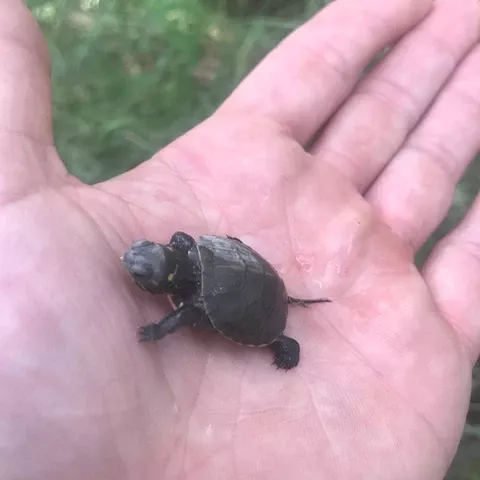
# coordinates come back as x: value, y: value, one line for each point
x: 243, y: 295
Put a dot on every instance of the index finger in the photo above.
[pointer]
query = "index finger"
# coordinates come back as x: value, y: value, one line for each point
x: 302, y: 82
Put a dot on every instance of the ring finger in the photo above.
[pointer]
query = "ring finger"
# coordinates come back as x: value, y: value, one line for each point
x: 364, y: 135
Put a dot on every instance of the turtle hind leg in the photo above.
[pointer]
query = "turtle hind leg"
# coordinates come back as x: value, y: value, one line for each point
x: 286, y: 352
x: 235, y: 238
x: 299, y: 302
x: 184, y: 316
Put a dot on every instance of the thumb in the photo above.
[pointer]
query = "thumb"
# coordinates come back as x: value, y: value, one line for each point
x: 28, y: 159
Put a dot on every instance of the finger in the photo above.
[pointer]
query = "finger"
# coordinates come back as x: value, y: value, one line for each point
x: 25, y: 104
x: 368, y: 130
x: 24, y: 74
x: 453, y: 275
x: 415, y: 191
x: 303, y: 81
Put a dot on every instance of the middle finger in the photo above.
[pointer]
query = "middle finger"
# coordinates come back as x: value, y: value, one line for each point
x: 368, y: 130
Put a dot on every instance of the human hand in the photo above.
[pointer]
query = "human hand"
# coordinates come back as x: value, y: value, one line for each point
x: 382, y: 387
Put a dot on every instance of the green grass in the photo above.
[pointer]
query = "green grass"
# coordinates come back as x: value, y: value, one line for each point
x: 129, y: 76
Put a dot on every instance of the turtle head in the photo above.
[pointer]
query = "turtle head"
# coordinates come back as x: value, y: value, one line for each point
x: 157, y: 268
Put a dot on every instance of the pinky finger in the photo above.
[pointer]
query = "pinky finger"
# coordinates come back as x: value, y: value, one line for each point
x: 453, y: 275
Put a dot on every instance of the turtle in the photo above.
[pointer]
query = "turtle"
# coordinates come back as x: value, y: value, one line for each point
x: 216, y: 284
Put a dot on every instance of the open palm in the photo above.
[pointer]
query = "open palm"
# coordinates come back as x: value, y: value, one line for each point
x: 383, y: 383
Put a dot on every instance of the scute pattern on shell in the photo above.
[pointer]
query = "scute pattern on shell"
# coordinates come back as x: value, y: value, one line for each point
x: 243, y: 295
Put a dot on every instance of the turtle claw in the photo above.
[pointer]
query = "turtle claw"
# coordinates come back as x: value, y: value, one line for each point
x: 284, y: 363
x: 149, y: 333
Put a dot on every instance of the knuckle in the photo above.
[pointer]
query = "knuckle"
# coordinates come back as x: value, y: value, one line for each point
x: 394, y: 97
x: 438, y: 153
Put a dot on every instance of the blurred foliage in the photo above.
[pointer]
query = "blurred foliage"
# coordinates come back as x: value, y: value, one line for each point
x: 129, y: 76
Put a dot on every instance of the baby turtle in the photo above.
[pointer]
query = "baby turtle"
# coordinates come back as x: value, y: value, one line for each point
x: 216, y: 284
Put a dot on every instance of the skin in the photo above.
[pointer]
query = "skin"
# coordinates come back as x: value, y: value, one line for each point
x: 383, y: 383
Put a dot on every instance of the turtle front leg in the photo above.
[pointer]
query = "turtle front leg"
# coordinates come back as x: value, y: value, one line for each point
x: 299, y: 302
x: 184, y: 316
x: 182, y: 241
x: 286, y: 352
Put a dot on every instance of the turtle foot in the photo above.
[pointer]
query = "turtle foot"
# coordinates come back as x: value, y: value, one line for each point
x: 286, y: 353
x: 150, y: 333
